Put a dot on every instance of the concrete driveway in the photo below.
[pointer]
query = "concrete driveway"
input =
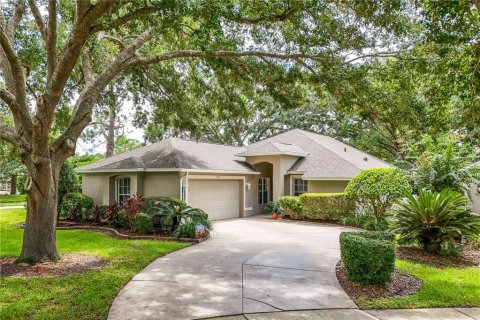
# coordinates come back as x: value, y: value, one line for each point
x: 248, y: 265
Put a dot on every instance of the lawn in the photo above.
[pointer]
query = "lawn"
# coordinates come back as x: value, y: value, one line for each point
x: 80, y: 296
x: 13, y: 200
x: 448, y: 287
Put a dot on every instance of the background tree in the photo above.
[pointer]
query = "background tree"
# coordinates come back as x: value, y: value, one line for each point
x: 52, y: 72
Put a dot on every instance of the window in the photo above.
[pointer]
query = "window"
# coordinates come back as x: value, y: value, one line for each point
x: 263, y: 187
x: 183, y: 189
x: 123, y: 189
x: 299, y: 186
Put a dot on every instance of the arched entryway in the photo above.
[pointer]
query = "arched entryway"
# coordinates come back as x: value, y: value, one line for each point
x: 264, y: 185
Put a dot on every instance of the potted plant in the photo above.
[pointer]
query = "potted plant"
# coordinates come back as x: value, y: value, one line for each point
x: 273, y: 208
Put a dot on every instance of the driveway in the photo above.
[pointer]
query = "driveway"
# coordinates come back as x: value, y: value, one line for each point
x: 248, y: 265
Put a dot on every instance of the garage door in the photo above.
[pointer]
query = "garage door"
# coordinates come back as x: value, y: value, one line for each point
x: 219, y: 198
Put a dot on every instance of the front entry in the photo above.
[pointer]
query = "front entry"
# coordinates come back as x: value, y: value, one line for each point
x: 219, y: 198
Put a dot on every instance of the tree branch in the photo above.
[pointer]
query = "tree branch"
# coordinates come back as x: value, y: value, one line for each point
x: 51, y: 42
x: 269, y: 18
x: 125, y: 19
x: 86, y: 15
x: 15, y: 19
x: 7, y: 133
x: 20, y: 109
x: 38, y: 19
x: 82, y: 114
x: 140, y: 61
x: 86, y: 65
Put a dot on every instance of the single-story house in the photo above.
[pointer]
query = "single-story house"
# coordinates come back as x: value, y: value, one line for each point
x: 228, y: 181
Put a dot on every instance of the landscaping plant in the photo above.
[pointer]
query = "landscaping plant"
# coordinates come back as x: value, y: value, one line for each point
x: 181, y: 219
x: 376, y: 190
x: 132, y: 207
x: 435, y: 220
x: 273, y: 207
x: 291, y: 206
x: 368, y: 257
x: 75, y: 205
x: 326, y: 206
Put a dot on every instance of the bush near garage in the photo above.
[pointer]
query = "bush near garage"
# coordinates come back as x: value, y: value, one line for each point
x: 75, y: 205
x: 325, y: 206
x: 368, y: 257
x: 376, y: 190
x: 292, y: 206
x: 150, y: 203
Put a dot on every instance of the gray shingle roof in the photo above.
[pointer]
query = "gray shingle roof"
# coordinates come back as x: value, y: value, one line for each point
x: 174, y: 153
x: 274, y: 148
x: 327, y: 158
x: 320, y: 157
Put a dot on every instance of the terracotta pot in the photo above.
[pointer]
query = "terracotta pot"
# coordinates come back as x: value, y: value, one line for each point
x: 274, y: 215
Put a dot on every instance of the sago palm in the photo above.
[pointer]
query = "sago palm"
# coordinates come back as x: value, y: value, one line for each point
x: 435, y: 218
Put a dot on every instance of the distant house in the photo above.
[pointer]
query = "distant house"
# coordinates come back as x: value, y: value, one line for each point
x: 5, y: 187
x: 228, y: 181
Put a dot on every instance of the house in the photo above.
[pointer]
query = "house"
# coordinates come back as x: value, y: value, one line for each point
x: 227, y: 181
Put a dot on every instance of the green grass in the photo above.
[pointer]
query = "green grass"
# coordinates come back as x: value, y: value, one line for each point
x: 80, y: 296
x: 13, y: 200
x: 448, y: 287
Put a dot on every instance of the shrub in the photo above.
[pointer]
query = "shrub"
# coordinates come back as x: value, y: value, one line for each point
x: 186, y: 229
x: 111, y: 214
x: 132, y: 207
x: 143, y: 223
x: 292, y: 206
x: 123, y: 220
x: 376, y: 190
x: 273, y: 207
x: 150, y: 203
x: 368, y: 257
x: 436, y: 219
x: 364, y: 221
x: 75, y: 205
x: 67, y: 183
x: 325, y: 206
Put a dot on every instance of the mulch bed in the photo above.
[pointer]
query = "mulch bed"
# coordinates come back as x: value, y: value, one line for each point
x: 469, y: 257
x: 402, y: 284
x: 69, y: 264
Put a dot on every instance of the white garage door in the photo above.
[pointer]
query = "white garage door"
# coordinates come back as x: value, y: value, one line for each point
x: 219, y: 198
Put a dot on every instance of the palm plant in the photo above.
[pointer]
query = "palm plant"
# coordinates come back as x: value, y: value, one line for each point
x: 434, y: 219
x: 180, y: 216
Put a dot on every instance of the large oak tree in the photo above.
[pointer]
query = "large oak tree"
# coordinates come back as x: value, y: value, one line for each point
x: 54, y: 66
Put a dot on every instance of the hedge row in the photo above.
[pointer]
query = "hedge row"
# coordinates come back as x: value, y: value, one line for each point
x: 368, y: 257
x: 317, y: 206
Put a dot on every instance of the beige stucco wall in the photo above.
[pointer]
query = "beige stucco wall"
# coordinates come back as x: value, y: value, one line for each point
x: 161, y: 184
x: 327, y: 185
x: 101, y: 187
x: 92, y: 186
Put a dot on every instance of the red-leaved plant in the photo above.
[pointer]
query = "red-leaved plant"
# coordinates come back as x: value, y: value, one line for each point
x: 133, y: 206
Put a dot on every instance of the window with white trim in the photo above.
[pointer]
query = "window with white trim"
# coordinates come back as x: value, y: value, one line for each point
x: 183, y: 189
x: 123, y: 189
x: 263, y: 187
x: 299, y: 186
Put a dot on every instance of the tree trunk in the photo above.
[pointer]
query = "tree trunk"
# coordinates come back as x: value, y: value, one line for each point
x: 13, y: 184
x: 39, y: 238
x: 111, y: 133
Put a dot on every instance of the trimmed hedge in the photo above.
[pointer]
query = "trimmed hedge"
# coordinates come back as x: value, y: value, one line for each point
x: 325, y: 206
x: 153, y: 201
x: 368, y: 257
x: 292, y: 206
x: 74, y: 205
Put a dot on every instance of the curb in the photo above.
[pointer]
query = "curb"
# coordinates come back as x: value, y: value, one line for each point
x: 115, y: 234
